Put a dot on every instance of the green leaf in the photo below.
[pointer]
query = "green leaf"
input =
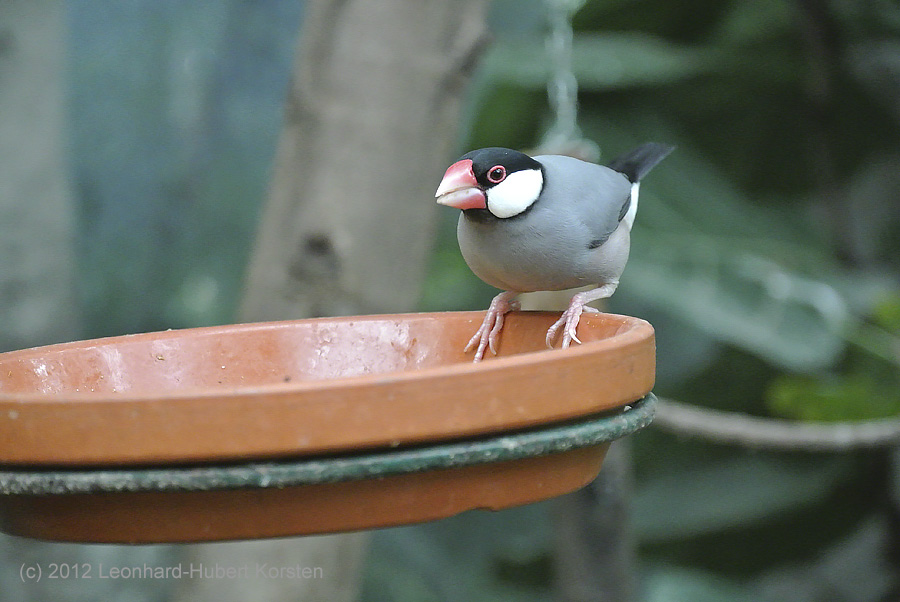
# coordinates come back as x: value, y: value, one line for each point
x: 740, y: 298
x: 476, y: 556
x: 731, y: 493
x: 757, y: 22
x: 886, y: 312
x: 674, y: 584
x: 739, y: 272
x: 834, y: 399
x: 856, y: 567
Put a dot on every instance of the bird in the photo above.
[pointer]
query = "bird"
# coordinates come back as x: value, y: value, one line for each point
x: 543, y: 223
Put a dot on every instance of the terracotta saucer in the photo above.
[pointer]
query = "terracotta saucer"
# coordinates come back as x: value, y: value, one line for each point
x: 321, y: 386
x: 312, y: 495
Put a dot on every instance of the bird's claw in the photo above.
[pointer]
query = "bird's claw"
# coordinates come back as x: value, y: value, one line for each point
x: 488, y: 333
x: 568, y: 322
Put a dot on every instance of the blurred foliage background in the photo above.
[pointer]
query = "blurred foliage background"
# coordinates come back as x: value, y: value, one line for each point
x: 767, y: 256
x: 766, y: 253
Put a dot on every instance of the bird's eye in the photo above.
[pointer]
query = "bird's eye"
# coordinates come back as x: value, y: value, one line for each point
x: 496, y: 174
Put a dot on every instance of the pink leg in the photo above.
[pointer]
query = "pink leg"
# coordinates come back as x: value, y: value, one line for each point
x: 569, y: 319
x: 487, y: 333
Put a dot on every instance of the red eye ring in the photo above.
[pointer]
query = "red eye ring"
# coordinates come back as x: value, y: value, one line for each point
x: 496, y: 174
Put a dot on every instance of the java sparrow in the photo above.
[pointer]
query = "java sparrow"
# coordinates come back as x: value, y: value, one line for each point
x: 548, y: 222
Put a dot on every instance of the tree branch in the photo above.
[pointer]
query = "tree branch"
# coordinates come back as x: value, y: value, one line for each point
x: 769, y: 433
x: 595, y: 542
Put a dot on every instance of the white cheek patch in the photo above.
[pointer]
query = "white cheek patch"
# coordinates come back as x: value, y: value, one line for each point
x: 516, y: 193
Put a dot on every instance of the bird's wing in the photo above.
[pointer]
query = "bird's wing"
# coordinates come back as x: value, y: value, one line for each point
x: 585, y: 193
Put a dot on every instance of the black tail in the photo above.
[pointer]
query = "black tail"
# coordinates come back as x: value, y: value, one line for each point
x: 637, y: 163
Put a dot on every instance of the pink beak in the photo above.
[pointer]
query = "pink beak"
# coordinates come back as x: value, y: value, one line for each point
x: 460, y: 189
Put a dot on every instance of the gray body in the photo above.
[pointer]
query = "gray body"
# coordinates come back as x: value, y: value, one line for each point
x: 549, y: 246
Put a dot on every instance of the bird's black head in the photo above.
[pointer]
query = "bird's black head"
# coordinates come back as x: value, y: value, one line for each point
x: 501, y: 181
x: 493, y: 165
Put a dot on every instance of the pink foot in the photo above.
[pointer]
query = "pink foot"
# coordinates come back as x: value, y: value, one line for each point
x: 568, y: 322
x: 487, y: 334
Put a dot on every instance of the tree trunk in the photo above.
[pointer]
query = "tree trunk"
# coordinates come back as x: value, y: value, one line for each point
x: 371, y: 121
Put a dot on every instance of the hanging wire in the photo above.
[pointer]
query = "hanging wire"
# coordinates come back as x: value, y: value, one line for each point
x: 564, y: 136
